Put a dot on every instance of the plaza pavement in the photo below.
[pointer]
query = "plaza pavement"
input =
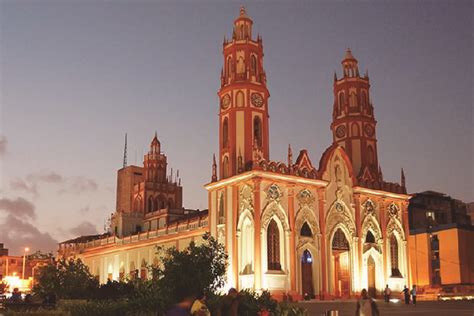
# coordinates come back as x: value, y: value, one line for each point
x: 424, y: 308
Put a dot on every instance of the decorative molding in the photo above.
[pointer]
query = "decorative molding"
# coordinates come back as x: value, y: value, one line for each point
x: 305, y: 198
x: 246, y: 198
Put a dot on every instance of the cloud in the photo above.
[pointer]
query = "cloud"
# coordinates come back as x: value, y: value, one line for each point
x: 19, y: 208
x: 73, y: 185
x: 84, y: 228
x: 21, y: 185
x: 3, y: 145
x: 17, y: 234
x: 45, y: 176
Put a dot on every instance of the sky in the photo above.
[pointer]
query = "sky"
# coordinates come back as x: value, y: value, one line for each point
x: 75, y: 76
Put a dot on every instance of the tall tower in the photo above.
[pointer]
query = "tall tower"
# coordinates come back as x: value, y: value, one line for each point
x: 243, y: 116
x: 155, y: 163
x: 353, y: 124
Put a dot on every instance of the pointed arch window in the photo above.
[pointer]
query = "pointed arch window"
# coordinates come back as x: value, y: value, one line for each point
x: 364, y: 98
x: 257, y: 131
x: 254, y: 64
x: 355, y: 131
x: 341, y: 101
x: 394, y: 256
x: 241, y: 31
x: 229, y: 66
x: 150, y: 204
x: 226, y: 170
x: 273, y: 246
x: 306, y: 257
x: 370, y: 238
x: 221, y: 219
x: 306, y: 230
x: 225, y: 133
x: 353, y: 99
x: 371, y: 155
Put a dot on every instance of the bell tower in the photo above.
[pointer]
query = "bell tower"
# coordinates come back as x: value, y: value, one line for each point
x: 353, y: 124
x: 243, y: 96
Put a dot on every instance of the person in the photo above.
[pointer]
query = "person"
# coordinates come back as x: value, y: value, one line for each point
x: 182, y: 308
x: 199, y: 307
x: 406, y: 293
x: 230, y: 303
x: 386, y: 293
x: 16, y: 296
x: 413, y: 294
x: 366, y: 305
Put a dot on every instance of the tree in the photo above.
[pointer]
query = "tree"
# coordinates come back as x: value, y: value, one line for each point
x: 66, y: 279
x: 192, y: 270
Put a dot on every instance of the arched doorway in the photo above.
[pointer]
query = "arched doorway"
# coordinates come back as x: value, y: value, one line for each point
x: 371, y: 277
x: 341, y: 259
x: 307, y: 274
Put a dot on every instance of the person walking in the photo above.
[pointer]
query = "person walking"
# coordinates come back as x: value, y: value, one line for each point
x: 366, y: 305
x: 413, y: 294
x: 386, y: 293
x: 406, y: 293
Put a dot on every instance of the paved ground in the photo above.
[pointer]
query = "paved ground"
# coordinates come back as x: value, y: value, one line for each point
x: 449, y: 308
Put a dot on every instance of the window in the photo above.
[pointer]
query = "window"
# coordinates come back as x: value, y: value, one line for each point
x: 257, y: 131
x: 435, y: 260
x: 306, y: 258
x: 221, y: 219
x: 225, y: 133
x: 170, y: 203
x: 306, y: 230
x: 229, y: 66
x: 394, y: 256
x: 371, y: 155
x: 370, y: 238
x: 254, y: 64
x: 353, y: 99
x: 226, y: 170
x: 150, y: 204
x: 355, y: 130
x: 240, y: 99
x: 273, y: 246
x: 364, y: 98
x: 341, y: 101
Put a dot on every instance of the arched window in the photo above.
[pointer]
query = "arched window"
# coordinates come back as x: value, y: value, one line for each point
x: 150, y: 204
x: 240, y: 99
x: 273, y: 246
x: 226, y: 167
x: 257, y: 131
x: 306, y: 230
x: 364, y: 98
x: 229, y: 66
x: 394, y: 256
x: 221, y: 219
x: 247, y: 247
x: 370, y: 238
x: 254, y: 64
x: 341, y: 101
x: 353, y: 99
x: 355, y: 130
x: 225, y: 133
x: 240, y: 65
x: 371, y: 155
x: 241, y: 31
x: 137, y: 205
x: 170, y: 203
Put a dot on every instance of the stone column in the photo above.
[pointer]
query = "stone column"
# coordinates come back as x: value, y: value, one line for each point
x: 322, y: 225
x: 291, y: 218
x: 257, y: 232
x: 358, y: 220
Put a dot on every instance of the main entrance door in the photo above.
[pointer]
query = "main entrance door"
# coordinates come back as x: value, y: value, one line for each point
x: 341, y: 257
x: 307, y: 274
x: 371, y: 277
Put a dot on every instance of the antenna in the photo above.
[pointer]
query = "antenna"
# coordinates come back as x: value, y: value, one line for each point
x: 125, y: 152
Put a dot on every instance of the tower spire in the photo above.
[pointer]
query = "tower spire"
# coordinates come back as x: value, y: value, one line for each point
x: 125, y: 152
x: 214, y: 169
x: 290, y: 156
x: 403, y: 179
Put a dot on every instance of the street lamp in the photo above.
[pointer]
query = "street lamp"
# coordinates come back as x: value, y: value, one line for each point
x: 24, y: 262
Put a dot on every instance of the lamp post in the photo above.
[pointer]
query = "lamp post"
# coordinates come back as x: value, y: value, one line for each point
x: 24, y: 262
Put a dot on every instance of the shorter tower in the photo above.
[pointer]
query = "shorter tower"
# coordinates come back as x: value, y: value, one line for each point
x: 353, y: 124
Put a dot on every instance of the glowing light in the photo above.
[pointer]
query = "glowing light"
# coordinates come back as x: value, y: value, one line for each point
x: 394, y: 300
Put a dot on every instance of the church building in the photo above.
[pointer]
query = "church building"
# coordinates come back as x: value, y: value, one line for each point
x: 326, y: 230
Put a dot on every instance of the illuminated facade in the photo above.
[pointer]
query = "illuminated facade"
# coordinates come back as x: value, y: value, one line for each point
x: 291, y: 227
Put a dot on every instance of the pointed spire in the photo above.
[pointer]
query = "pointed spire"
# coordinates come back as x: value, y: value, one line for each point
x: 290, y: 156
x: 214, y: 169
x: 403, y: 179
x: 349, y: 55
x: 335, y: 76
x: 125, y: 152
x: 380, y: 173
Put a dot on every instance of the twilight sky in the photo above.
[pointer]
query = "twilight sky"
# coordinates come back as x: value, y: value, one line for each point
x: 76, y: 75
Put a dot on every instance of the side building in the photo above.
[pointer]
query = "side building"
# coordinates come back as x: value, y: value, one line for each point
x: 441, y: 239
x: 148, y: 213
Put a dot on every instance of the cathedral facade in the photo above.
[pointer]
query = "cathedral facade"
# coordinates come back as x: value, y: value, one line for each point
x: 326, y: 230
x: 292, y: 227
